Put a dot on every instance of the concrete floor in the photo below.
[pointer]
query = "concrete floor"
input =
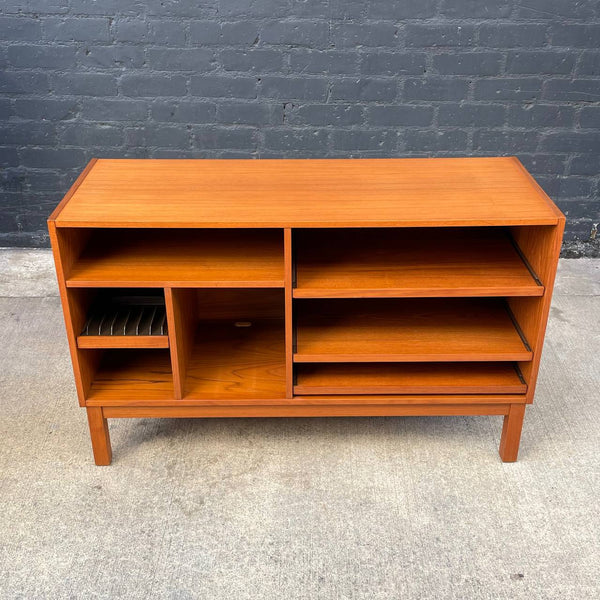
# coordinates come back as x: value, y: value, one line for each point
x: 381, y: 508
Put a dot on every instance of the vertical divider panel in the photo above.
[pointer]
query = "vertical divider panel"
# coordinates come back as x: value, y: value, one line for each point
x: 541, y: 247
x: 288, y: 263
x: 181, y: 320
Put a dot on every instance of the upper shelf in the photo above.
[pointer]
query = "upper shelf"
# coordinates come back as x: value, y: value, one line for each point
x: 407, y: 330
x: 415, y: 192
x: 182, y: 258
x: 419, y: 262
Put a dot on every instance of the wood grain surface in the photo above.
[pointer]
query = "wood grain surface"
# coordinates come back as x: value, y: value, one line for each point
x: 229, y: 361
x: 391, y: 192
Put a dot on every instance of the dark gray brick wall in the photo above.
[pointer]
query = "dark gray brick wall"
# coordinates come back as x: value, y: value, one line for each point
x: 297, y: 78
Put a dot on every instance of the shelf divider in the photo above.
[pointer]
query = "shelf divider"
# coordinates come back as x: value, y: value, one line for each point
x: 181, y: 312
x: 289, y: 316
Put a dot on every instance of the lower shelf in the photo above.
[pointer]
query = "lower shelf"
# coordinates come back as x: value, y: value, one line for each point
x: 131, y: 375
x: 408, y: 378
x: 230, y: 361
x: 244, y: 362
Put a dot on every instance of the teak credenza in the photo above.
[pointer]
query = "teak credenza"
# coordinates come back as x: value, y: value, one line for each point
x: 295, y: 288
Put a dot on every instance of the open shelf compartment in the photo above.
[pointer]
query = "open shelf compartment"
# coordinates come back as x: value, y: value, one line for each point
x: 407, y: 330
x: 130, y: 376
x: 411, y: 262
x: 178, y: 258
x: 233, y: 361
x: 229, y: 343
x: 408, y: 378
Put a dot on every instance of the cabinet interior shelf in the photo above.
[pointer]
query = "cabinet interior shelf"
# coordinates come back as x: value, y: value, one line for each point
x: 180, y: 258
x: 416, y: 262
x: 407, y: 330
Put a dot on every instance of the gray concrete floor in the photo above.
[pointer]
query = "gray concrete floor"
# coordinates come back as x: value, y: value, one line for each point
x: 380, y: 508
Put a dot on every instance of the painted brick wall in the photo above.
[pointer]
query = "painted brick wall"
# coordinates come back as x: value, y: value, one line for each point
x: 297, y: 78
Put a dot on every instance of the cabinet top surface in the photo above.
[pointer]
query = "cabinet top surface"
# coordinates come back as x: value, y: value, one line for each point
x: 407, y: 192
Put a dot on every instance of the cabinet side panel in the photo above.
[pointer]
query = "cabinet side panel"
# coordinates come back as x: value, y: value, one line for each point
x: 541, y: 248
x: 79, y: 302
x: 66, y: 246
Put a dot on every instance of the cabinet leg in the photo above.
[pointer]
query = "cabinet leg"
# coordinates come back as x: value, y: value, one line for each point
x: 511, y: 433
x: 99, y: 434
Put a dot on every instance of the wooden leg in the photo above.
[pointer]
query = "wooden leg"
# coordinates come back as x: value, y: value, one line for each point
x: 511, y: 433
x: 100, y: 437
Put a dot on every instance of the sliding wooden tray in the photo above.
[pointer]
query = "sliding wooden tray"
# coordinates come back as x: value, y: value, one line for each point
x: 424, y: 330
x: 299, y: 288
x: 409, y: 378
x: 377, y: 263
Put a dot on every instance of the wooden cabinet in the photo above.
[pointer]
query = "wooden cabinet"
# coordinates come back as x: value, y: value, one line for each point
x: 224, y: 288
